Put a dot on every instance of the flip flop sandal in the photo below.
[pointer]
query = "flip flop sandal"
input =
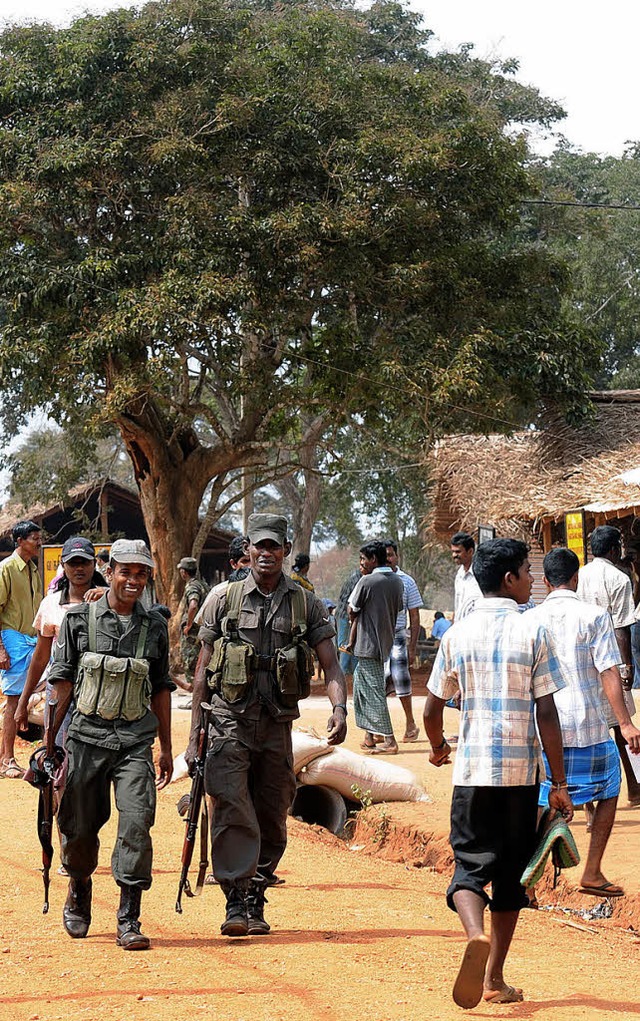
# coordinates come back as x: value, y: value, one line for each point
x: 379, y: 750
x: 11, y: 770
x: 507, y: 995
x: 469, y: 985
x: 413, y: 736
x: 367, y: 747
x: 604, y: 890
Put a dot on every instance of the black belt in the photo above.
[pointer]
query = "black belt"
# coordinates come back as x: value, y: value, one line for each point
x: 266, y: 662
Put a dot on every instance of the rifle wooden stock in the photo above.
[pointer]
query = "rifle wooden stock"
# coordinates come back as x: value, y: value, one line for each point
x: 193, y: 817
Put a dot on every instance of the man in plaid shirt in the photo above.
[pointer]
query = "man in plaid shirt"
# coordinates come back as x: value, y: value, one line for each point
x: 585, y: 643
x: 506, y: 673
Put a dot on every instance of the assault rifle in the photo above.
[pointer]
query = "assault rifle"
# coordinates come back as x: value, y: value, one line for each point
x: 196, y: 801
x: 43, y: 766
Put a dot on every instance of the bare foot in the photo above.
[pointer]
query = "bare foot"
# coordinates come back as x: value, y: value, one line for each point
x: 412, y: 734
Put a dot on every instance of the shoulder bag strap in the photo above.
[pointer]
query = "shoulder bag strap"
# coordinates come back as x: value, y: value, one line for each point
x: 142, y: 638
x: 299, y: 610
x: 235, y: 590
x: 93, y: 628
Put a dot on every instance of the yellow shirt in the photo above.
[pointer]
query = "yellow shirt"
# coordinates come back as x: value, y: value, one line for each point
x: 20, y: 594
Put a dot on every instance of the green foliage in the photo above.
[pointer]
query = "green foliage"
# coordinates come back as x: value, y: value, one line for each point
x: 50, y: 462
x: 601, y: 247
x: 214, y: 214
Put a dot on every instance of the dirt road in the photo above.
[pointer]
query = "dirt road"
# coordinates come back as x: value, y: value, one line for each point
x: 354, y: 936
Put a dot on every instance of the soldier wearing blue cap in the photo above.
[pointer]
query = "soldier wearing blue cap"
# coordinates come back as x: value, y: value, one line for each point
x: 254, y: 666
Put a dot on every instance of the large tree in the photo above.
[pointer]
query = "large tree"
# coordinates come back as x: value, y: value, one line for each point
x: 589, y: 215
x: 215, y: 215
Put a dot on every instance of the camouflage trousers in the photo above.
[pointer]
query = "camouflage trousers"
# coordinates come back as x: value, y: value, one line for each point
x: 189, y: 650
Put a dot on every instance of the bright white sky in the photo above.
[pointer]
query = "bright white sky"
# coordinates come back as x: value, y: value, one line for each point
x: 583, y: 55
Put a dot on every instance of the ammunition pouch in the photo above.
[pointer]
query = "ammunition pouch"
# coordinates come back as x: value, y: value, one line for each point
x: 234, y: 663
x: 232, y: 668
x: 113, y: 687
x: 294, y: 670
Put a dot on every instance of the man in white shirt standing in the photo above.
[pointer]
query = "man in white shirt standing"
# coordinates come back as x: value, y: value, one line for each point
x: 586, y: 647
x: 466, y: 588
x: 601, y: 582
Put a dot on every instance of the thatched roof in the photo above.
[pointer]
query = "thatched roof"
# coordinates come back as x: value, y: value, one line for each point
x: 516, y: 482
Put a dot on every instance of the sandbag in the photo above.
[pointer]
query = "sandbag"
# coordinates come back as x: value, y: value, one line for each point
x: 307, y: 745
x: 385, y: 781
x: 180, y: 768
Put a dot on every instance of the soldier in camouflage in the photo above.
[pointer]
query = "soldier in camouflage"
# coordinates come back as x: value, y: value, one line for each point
x: 195, y: 592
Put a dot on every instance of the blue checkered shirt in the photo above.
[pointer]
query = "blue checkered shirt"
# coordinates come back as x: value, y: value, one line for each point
x: 501, y: 661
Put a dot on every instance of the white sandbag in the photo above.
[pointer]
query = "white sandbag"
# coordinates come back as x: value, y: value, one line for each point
x: 385, y: 780
x: 307, y: 745
x: 180, y: 768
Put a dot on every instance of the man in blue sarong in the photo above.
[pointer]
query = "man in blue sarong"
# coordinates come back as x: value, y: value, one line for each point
x: 20, y: 597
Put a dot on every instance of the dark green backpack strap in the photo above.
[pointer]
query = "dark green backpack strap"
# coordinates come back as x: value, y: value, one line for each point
x: 235, y: 590
x: 93, y: 628
x: 142, y: 638
x: 299, y: 611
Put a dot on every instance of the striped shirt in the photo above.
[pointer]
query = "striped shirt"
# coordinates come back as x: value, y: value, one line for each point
x: 501, y: 661
x: 585, y: 644
x: 466, y: 591
x: 601, y: 583
x: 412, y: 600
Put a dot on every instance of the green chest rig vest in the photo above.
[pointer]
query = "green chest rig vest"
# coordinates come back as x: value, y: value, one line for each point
x: 113, y: 687
x: 235, y: 663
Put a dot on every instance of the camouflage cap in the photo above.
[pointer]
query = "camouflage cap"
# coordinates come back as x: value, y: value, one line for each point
x: 188, y: 564
x: 131, y: 551
x: 267, y: 526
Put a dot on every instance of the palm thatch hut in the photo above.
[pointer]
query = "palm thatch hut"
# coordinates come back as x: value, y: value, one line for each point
x: 525, y: 483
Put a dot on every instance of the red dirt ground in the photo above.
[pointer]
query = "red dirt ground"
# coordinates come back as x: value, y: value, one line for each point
x: 360, y: 929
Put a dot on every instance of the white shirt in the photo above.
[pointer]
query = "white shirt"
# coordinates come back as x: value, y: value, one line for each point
x: 412, y: 600
x: 466, y: 591
x: 585, y: 644
x: 601, y: 583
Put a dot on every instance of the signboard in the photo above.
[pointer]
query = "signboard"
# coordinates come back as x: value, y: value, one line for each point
x: 51, y: 561
x: 485, y: 533
x: 574, y: 532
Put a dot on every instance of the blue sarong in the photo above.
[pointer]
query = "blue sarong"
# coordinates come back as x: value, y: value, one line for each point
x: 20, y: 650
x: 593, y: 773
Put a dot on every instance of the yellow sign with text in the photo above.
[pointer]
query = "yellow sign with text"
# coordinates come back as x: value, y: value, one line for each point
x: 574, y: 530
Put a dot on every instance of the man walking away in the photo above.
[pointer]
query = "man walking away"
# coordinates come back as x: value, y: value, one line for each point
x: 585, y: 644
x: 375, y: 603
x: 20, y: 597
x: 466, y: 589
x: 601, y: 582
x: 507, y: 675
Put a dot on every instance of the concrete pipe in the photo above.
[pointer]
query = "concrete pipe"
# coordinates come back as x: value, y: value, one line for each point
x: 321, y: 805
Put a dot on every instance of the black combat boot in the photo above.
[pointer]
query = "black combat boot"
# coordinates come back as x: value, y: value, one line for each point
x: 236, y: 923
x: 256, y: 901
x: 129, y: 936
x: 76, y: 913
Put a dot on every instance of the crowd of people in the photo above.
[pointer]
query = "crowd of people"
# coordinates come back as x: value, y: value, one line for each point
x: 539, y: 690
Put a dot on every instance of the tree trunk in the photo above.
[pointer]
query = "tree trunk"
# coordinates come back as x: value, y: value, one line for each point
x: 305, y: 513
